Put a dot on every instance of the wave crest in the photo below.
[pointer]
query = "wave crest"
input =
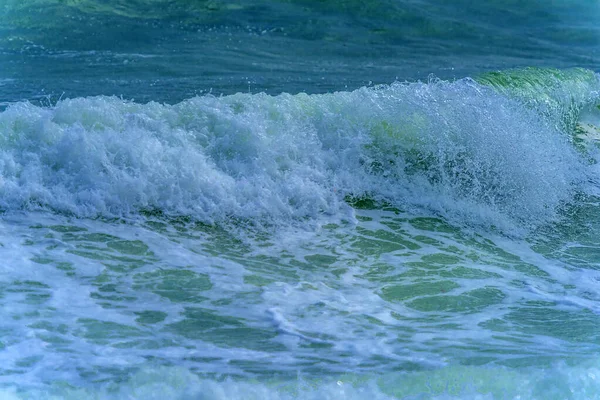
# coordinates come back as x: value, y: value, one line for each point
x: 466, y: 150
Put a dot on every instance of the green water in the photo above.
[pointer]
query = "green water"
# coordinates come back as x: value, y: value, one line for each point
x: 299, y: 199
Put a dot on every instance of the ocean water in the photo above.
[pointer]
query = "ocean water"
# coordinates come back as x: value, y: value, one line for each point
x: 296, y: 199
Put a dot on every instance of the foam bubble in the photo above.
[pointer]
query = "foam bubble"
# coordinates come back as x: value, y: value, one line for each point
x: 458, y: 148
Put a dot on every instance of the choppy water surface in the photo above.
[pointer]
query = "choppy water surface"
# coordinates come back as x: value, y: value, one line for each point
x: 171, y: 50
x: 213, y: 200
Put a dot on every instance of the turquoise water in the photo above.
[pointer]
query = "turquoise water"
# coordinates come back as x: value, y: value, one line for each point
x: 299, y: 199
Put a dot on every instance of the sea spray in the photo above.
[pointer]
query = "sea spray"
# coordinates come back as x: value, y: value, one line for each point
x: 458, y: 148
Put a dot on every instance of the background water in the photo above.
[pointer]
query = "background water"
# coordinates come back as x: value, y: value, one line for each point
x: 299, y: 199
x: 171, y: 50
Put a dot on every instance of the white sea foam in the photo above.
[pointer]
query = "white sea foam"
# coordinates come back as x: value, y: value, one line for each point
x: 458, y: 148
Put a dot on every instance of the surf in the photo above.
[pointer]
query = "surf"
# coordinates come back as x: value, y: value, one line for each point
x: 501, y: 150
